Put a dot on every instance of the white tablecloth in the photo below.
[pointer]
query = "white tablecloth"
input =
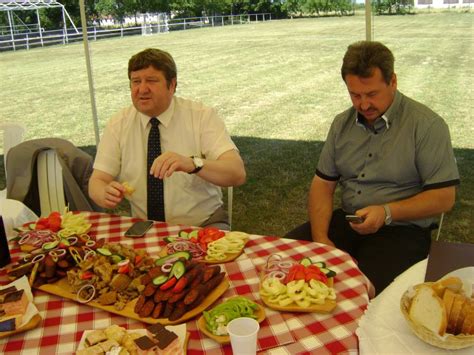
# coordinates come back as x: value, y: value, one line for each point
x: 383, y: 329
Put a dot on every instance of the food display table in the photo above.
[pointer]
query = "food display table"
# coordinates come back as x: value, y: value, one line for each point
x: 63, y: 321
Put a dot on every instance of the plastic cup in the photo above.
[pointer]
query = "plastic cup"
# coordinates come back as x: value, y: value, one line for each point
x: 243, y: 335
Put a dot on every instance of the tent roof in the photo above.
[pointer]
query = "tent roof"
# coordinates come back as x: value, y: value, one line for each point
x: 21, y: 5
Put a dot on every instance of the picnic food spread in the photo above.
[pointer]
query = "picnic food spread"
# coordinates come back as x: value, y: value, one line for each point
x: 62, y: 258
x: 440, y: 313
x: 297, y: 287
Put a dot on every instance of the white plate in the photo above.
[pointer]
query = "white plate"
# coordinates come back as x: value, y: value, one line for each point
x: 180, y: 331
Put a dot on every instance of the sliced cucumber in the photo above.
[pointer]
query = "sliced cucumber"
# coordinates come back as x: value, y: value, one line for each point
x: 170, y: 239
x: 180, y: 254
x: 306, y: 262
x: 104, y: 251
x: 157, y: 281
x: 115, y: 257
x: 328, y: 272
x: 320, y: 264
x: 193, y: 234
x: 178, y: 269
x: 183, y: 234
x: 50, y: 245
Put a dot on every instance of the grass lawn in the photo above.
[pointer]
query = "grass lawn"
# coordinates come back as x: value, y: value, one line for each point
x: 277, y: 86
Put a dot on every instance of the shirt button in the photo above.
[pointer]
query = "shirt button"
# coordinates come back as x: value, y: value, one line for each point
x: 370, y: 155
x: 359, y: 192
x: 363, y: 175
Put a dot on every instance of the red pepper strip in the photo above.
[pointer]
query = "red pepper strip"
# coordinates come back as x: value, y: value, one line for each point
x: 168, y: 284
x: 86, y: 275
x: 180, y: 285
x: 124, y: 269
x: 138, y: 258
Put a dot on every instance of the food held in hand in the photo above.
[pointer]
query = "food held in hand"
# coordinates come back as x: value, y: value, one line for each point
x: 129, y: 190
x: 236, y: 307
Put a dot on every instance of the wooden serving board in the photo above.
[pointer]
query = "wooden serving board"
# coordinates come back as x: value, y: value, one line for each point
x: 326, y: 307
x: 33, y: 323
x: 61, y: 288
x: 225, y: 339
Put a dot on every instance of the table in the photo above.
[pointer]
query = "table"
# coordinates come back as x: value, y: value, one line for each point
x: 281, y: 333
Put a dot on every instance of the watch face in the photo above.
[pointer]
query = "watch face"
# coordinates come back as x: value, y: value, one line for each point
x: 198, y: 163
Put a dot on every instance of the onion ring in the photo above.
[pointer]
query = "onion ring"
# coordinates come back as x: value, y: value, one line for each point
x: 89, y: 253
x: 85, y: 300
x: 90, y: 243
x: 167, y: 267
x: 24, y: 239
x: 57, y: 253
x: 285, y: 264
x: 280, y: 275
x: 72, y: 242
x: 37, y: 258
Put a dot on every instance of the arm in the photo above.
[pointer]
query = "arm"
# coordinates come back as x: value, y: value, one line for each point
x: 320, y: 207
x: 425, y: 204
x: 104, y: 191
x: 227, y: 170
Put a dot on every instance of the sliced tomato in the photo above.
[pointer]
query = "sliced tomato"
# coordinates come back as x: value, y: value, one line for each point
x: 168, y: 284
x: 138, y: 258
x: 180, y: 285
x: 87, y: 275
x: 300, y: 275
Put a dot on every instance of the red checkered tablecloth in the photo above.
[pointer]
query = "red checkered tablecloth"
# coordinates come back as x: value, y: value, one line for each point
x: 284, y: 333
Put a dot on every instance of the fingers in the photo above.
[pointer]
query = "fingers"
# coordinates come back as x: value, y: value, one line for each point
x: 373, y: 220
x: 167, y: 163
x: 113, y: 194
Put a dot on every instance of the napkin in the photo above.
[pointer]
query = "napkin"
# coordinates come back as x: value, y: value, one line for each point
x: 384, y: 330
x: 15, y: 214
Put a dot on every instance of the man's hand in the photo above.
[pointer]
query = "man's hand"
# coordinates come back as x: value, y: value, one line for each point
x: 169, y: 162
x: 113, y: 194
x: 374, y: 218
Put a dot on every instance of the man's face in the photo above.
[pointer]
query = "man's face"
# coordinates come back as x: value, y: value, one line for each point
x: 371, y: 96
x: 150, y: 92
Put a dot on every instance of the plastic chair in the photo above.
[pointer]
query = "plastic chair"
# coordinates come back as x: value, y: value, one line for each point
x: 50, y: 183
x: 12, y: 135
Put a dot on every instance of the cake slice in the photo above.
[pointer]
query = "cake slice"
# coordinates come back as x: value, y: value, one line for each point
x: 9, y: 323
x: 15, y: 302
x: 428, y: 310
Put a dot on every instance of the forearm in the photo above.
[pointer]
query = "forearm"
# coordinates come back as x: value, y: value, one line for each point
x: 425, y: 204
x: 320, y: 208
x: 96, y: 191
x: 227, y: 170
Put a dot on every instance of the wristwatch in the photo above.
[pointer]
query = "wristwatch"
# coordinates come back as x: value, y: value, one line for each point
x: 388, y: 215
x: 198, y: 164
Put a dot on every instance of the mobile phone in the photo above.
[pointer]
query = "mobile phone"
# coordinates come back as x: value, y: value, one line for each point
x: 354, y: 219
x: 138, y: 229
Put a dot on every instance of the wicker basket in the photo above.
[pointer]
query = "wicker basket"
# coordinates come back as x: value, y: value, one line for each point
x: 448, y: 341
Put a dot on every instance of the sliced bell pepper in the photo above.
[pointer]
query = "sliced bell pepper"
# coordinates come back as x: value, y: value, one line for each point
x: 168, y: 284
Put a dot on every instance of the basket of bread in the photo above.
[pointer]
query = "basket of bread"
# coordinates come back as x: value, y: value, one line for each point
x: 440, y: 313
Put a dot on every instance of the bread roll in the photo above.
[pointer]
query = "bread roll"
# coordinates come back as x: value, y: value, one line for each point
x: 427, y: 309
x: 452, y: 283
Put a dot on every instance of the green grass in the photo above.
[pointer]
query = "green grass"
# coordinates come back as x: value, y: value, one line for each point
x: 276, y: 84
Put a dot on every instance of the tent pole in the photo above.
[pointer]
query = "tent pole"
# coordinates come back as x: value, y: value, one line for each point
x: 368, y: 21
x: 90, y: 78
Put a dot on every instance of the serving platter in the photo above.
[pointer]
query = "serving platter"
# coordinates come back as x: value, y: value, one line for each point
x: 326, y: 307
x: 62, y: 289
x: 225, y: 339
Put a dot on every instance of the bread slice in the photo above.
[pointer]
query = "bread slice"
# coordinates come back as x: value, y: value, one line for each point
x: 427, y: 309
x: 450, y: 283
x: 462, y: 316
x: 458, y: 304
x: 448, y: 300
x: 468, y: 323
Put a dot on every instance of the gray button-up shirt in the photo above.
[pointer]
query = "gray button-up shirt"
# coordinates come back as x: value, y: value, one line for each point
x: 407, y: 151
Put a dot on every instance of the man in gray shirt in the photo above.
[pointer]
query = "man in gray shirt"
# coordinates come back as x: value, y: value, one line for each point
x: 393, y: 159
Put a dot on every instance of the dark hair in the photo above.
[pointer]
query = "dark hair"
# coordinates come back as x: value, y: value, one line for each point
x: 158, y: 59
x: 363, y: 57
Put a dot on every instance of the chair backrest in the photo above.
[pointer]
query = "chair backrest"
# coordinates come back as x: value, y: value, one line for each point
x: 230, y: 196
x: 50, y: 182
x: 12, y: 135
x: 440, y: 224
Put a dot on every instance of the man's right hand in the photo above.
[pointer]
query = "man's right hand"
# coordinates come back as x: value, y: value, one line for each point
x: 113, y: 194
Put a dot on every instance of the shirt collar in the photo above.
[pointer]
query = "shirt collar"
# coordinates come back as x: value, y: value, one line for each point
x: 388, y: 116
x: 164, y: 118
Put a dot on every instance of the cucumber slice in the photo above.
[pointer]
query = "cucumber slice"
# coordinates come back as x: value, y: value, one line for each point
x: 104, y: 251
x: 115, y: 257
x: 306, y: 262
x: 193, y: 234
x: 178, y: 269
x: 50, y: 245
x: 170, y: 239
x: 157, y: 281
x: 180, y: 254
x: 183, y: 234
x: 328, y: 272
x: 320, y: 264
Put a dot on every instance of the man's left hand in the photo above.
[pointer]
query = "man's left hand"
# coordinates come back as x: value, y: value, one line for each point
x: 169, y: 162
x: 374, y: 218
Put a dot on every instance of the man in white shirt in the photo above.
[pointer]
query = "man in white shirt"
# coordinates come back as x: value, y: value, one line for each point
x: 198, y: 156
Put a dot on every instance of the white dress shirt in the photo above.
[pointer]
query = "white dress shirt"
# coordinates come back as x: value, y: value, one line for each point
x: 188, y: 128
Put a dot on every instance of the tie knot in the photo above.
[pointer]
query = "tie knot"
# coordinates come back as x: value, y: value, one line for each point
x: 154, y: 122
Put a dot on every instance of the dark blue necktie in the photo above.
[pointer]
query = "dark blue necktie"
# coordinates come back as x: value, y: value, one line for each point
x: 155, y: 195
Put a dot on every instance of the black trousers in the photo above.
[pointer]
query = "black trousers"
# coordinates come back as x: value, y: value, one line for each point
x: 380, y: 256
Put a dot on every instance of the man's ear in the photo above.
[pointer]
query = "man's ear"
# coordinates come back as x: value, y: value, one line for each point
x: 393, y: 82
x: 173, y: 84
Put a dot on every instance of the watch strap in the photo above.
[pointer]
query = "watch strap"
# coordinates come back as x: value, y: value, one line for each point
x: 388, y: 215
x: 197, y: 168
